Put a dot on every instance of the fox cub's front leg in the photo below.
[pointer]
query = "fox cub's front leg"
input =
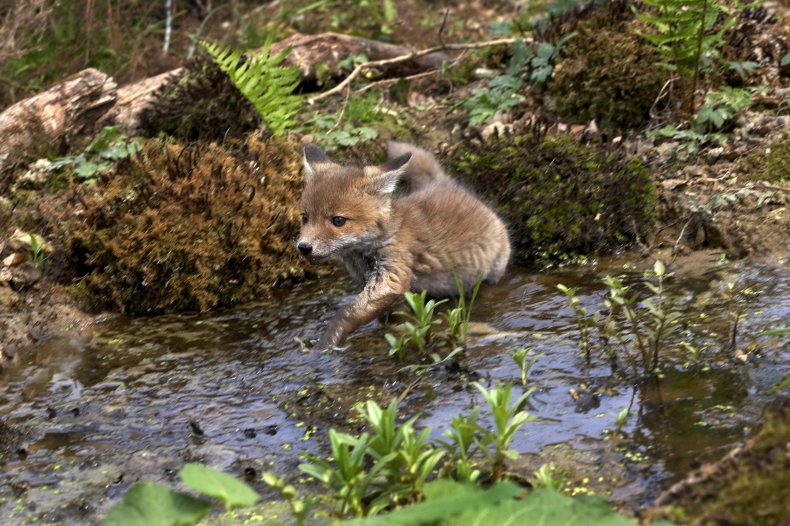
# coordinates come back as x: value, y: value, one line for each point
x: 378, y: 296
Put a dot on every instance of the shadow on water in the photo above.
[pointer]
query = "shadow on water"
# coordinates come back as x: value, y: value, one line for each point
x: 238, y: 391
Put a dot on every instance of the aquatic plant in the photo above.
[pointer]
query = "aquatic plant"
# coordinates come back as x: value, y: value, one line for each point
x: 458, y: 317
x: 461, y: 446
x: 508, y: 418
x: 418, y: 328
x: 621, y: 420
x: 548, y: 477
x: 520, y: 356
x: 641, y: 325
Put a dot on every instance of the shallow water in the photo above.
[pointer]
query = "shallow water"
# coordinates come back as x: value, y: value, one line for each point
x: 237, y: 391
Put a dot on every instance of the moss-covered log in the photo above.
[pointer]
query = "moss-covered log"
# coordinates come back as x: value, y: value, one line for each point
x: 561, y: 199
x: 181, y: 227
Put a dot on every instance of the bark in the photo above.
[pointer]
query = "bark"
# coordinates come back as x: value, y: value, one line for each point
x: 133, y: 99
x: 330, y: 48
x: 37, y: 125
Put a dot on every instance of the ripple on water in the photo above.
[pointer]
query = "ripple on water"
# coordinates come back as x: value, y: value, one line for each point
x: 147, y: 394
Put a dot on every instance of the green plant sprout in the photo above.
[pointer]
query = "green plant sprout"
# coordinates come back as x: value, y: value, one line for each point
x: 582, y: 322
x: 110, y: 146
x: 37, y: 253
x: 508, y: 418
x: 417, y: 330
x: 548, y: 477
x: 622, y: 420
x: 300, y: 507
x: 520, y: 356
x: 458, y: 317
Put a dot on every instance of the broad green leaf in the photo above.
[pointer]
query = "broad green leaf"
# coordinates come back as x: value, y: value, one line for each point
x: 231, y: 491
x: 148, y: 504
x: 86, y: 170
x: 448, y: 500
x: 547, y: 507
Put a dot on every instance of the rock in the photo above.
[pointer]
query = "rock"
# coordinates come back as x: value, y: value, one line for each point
x: 23, y: 276
x: 23, y: 241
x: 714, y: 154
x: 666, y: 151
x: 36, y: 177
x: 7, y: 296
x: 497, y: 129
x: 15, y: 259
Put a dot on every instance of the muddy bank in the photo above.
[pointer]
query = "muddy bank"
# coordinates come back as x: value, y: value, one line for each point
x: 750, y: 485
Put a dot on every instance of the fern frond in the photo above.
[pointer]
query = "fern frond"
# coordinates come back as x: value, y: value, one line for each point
x: 263, y: 81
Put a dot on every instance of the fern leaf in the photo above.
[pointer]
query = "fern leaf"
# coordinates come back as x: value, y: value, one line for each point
x: 268, y: 86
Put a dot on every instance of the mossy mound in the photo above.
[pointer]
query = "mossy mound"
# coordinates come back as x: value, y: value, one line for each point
x: 749, y: 486
x: 608, y: 75
x: 200, y: 103
x: 186, y: 227
x: 559, y: 198
x: 768, y: 163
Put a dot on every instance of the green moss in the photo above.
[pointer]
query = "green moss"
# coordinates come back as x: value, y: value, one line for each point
x: 560, y: 199
x: 185, y: 227
x: 768, y: 163
x: 200, y: 103
x: 608, y: 74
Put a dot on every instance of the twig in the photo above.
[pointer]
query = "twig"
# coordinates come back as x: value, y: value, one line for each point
x: 441, y: 26
x: 384, y: 82
x: 405, y: 58
x: 677, y: 242
x: 342, y: 112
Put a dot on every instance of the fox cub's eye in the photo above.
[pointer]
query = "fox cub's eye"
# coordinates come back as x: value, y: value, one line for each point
x: 304, y: 219
x: 338, y: 221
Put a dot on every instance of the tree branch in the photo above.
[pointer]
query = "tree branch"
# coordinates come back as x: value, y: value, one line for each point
x: 357, y: 71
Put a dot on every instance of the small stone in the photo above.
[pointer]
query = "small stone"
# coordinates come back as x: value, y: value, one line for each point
x: 37, y: 175
x: 497, y: 129
x: 577, y: 129
x: 22, y: 241
x: 15, y: 259
x: 714, y: 154
x: 666, y: 151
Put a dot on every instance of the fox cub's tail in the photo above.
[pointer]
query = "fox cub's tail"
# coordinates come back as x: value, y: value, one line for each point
x: 423, y: 168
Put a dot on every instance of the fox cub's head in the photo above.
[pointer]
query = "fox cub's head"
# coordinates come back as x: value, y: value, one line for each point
x: 344, y: 207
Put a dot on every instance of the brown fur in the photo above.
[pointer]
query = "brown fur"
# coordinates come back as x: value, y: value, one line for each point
x: 391, y: 245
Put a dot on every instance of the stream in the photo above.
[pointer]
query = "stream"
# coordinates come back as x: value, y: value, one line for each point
x: 236, y: 390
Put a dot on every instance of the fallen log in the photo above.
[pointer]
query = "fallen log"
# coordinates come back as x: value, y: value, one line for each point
x: 31, y: 128
x: 329, y: 49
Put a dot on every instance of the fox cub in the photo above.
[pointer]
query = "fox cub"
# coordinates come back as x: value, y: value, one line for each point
x: 392, y: 244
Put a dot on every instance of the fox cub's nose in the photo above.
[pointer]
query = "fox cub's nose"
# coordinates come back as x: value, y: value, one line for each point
x: 304, y: 248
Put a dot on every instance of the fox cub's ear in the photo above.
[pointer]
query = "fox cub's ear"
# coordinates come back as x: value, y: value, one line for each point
x: 313, y: 155
x: 391, y: 172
